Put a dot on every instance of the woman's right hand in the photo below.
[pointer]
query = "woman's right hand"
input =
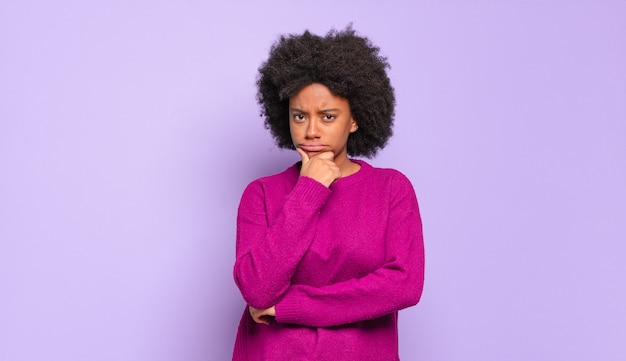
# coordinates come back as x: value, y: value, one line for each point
x: 321, y: 167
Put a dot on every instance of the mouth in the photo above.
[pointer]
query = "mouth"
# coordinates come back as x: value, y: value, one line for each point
x: 311, y: 148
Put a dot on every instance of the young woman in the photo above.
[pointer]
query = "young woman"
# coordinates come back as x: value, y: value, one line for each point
x: 329, y: 250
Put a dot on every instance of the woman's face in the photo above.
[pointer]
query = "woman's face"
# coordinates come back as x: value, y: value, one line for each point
x: 320, y: 121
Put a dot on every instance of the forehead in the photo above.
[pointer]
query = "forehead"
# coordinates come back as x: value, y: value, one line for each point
x: 316, y: 94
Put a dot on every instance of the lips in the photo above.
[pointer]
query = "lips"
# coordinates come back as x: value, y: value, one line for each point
x: 312, y: 147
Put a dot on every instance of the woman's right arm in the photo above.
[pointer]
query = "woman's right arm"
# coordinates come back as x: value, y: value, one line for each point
x: 269, y: 248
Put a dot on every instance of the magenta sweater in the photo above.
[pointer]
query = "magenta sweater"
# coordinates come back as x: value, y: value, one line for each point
x: 338, y: 263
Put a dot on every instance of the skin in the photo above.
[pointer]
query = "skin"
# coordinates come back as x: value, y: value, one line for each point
x: 320, y: 123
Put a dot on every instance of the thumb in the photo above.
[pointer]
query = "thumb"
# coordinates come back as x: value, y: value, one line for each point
x: 305, y: 157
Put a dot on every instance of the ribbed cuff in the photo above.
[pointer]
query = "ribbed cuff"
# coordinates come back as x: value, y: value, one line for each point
x: 310, y: 191
x: 288, y: 312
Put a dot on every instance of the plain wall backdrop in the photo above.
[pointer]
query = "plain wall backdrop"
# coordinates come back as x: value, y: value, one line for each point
x: 128, y: 130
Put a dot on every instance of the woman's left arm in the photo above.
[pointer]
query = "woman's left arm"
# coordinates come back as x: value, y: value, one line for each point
x: 395, y: 285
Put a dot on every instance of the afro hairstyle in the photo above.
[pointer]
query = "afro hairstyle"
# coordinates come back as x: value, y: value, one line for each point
x: 349, y: 65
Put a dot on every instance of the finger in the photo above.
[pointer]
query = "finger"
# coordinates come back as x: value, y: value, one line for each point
x: 327, y: 155
x: 259, y: 318
x: 305, y: 157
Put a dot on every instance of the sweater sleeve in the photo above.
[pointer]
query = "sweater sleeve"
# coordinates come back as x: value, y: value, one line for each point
x: 268, y: 252
x: 395, y: 285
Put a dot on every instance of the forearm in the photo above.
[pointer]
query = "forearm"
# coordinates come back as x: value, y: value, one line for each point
x: 395, y: 285
x: 378, y: 294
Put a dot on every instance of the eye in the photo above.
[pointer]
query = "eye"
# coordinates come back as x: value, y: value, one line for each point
x: 328, y: 117
x: 298, y: 118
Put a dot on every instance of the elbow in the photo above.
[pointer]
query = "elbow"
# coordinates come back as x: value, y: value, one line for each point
x: 414, y: 295
x: 411, y: 295
x: 415, y: 282
x: 412, y: 290
x: 417, y: 287
x: 251, y: 293
x: 254, y: 291
x: 257, y: 300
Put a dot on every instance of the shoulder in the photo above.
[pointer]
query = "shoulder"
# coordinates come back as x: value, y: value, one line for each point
x: 392, y: 182
x: 390, y: 176
x: 281, y: 180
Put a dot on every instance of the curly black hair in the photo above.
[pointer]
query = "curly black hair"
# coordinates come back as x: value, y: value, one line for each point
x: 349, y: 65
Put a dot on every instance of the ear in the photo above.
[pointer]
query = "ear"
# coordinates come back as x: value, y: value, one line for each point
x: 353, y: 126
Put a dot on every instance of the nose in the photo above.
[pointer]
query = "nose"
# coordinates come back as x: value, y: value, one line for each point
x: 312, y: 129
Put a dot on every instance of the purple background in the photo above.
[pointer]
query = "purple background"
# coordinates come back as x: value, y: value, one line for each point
x: 128, y: 130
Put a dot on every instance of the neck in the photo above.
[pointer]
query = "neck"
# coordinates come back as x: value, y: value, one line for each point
x: 346, y: 166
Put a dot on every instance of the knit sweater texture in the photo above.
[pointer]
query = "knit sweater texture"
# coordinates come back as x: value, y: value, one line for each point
x: 337, y: 263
